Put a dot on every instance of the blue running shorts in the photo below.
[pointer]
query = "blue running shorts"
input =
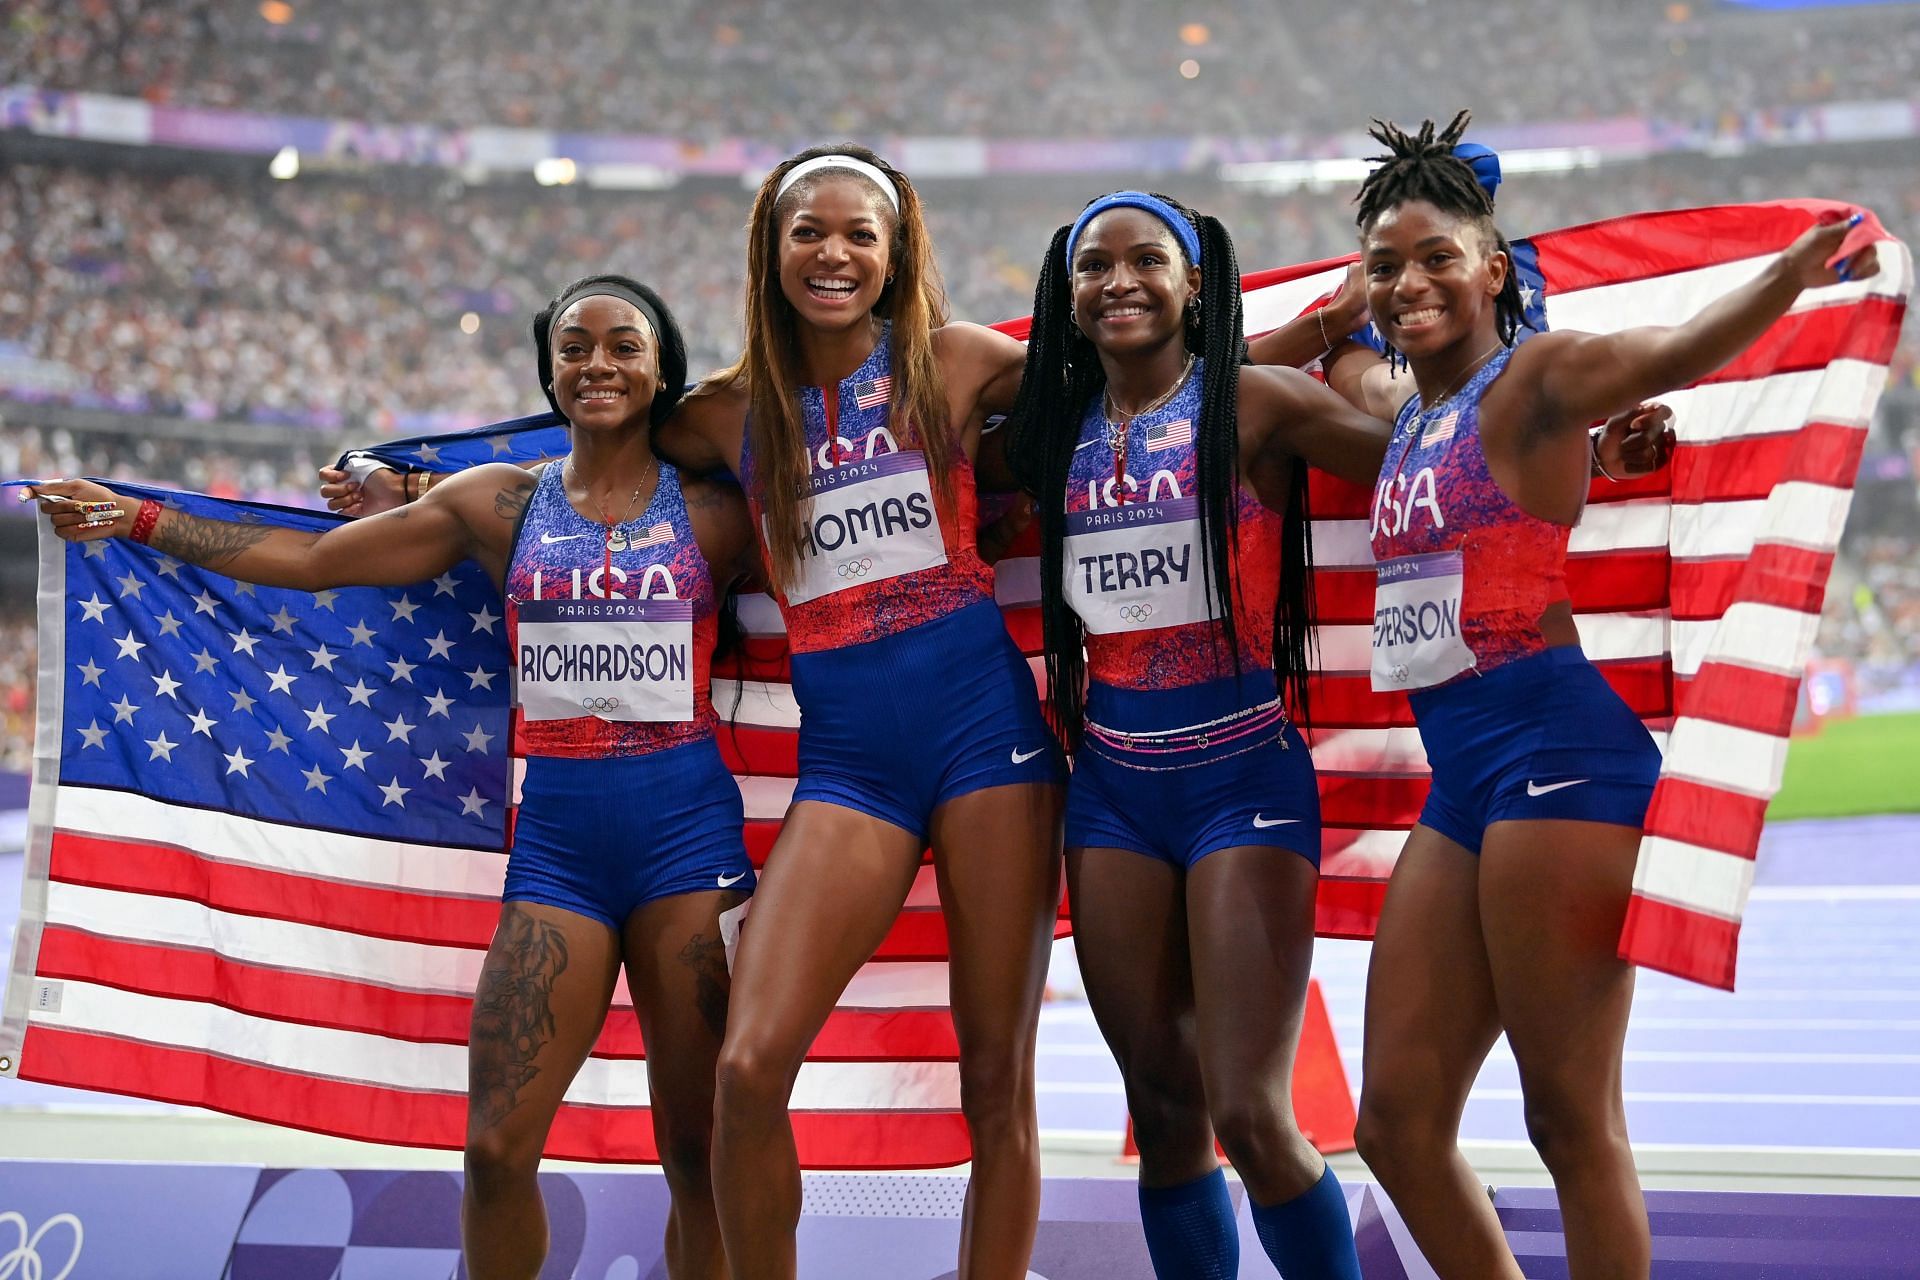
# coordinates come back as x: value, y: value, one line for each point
x: 604, y: 837
x: 1253, y: 788
x: 898, y: 726
x: 1542, y: 737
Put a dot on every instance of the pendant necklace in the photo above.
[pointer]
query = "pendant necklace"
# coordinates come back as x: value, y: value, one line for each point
x: 1119, y: 429
x: 616, y: 534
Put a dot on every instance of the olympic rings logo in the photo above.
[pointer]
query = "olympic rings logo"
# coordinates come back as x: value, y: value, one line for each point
x: 24, y: 1262
x: 591, y: 705
x: 857, y: 568
x: 1136, y: 612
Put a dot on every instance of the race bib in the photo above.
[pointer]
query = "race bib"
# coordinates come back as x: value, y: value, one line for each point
x: 611, y: 659
x: 870, y: 521
x: 1416, y: 623
x: 1136, y: 567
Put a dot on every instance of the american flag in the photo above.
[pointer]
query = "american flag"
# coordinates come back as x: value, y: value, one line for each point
x: 867, y: 395
x: 656, y: 535
x: 1169, y: 435
x: 304, y: 971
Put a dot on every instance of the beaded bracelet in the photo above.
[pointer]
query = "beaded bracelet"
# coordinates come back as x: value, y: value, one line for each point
x: 144, y: 521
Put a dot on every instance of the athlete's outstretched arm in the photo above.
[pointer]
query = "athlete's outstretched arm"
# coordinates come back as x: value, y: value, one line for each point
x: 409, y: 544
x: 1573, y: 379
x: 1289, y: 410
x: 1320, y: 332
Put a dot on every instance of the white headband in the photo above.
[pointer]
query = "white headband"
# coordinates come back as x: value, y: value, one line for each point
x: 859, y: 166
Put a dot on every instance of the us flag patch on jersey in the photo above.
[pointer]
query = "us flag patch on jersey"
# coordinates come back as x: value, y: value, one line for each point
x: 869, y: 394
x: 655, y: 535
x: 1168, y: 435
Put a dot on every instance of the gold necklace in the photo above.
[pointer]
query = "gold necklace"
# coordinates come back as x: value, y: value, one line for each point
x: 616, y: 536
x: 1454, y: 386
x: 1117, y: 431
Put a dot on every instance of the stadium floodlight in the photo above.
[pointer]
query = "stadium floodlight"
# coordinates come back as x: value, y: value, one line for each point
x: 1550, y: 159
x: 1278, y: 176
x: 285, y: 164
x: 1290, y: 175
x: 555, y: 171
x: 631, y: 177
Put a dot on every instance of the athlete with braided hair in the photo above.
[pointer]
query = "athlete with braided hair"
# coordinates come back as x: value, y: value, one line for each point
x: 1174, y: 548
x: 1505, y: 908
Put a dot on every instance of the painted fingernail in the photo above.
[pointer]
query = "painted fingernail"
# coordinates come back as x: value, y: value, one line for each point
x: 1856, y: 219
x: 1845, y: 272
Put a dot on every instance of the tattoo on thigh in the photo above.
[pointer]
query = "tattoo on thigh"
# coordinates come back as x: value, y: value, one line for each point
x: 513, y: 1012
x: 707, y: 957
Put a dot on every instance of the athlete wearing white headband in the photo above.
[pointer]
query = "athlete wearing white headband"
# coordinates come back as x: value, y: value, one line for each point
x: 870, y: 172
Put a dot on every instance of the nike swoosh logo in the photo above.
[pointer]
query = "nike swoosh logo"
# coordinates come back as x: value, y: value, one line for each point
x: 727, y: 882
x: 1263, y: 823
x: 547, y: 539
x: 1534, y: 789
x: 1023, y: 757
x: 1086, y: 444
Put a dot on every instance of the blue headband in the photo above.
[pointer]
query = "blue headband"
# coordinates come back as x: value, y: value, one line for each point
x: 1182, y: 229
x: 1485, y: 163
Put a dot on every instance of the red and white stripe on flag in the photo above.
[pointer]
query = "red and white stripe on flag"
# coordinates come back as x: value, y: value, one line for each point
x: 871, y: 394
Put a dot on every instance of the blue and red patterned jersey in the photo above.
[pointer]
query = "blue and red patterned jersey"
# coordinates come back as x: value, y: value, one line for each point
x: 879, y: 551
x: 1436, y: 497
x: 611, y: 630
x: 1134, y: 554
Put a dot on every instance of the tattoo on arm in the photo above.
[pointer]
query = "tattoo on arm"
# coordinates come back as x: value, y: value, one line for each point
x: 707, y: 957
x: 512, y: 1013
x: 511, y: 501
x: 207, y: 543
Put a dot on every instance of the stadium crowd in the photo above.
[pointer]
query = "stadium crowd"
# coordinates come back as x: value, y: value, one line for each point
x: 398, y: 306
x: 791, y: 70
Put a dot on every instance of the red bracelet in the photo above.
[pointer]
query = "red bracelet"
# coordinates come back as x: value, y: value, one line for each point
x: 143, y: 523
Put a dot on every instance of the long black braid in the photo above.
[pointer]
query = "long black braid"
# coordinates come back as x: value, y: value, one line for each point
x: 1063, y: 376
x: 1422, y: 166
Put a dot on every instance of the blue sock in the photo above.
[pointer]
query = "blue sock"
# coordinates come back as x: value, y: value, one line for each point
x: 1310, y: 1236
x: 1190, y: 1230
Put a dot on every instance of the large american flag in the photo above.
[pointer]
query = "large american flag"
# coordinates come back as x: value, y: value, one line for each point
x: 242, y: 942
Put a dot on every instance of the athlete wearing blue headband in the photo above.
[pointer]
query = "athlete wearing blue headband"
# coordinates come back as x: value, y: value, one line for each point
x: 1174, y: 572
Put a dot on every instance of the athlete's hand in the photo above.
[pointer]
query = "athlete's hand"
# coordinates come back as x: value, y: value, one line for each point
x: 382, y: 490
x: 1347, y: 312
x: 994, y: 540
x: 1637, y: 442
x: 1813, y: 259
x: 62, y: 499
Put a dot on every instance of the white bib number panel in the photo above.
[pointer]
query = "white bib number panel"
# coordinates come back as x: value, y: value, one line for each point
x: 1417, y: 641
x: 626, y: 660
x: 1136, y: 566
x: 869, y: 521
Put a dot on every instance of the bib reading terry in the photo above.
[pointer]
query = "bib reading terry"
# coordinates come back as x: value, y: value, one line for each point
x: 869, y: 521
x: 626, y: 660
x: 1136, y: 567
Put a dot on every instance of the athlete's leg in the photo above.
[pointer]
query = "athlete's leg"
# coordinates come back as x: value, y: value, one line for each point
x: 677, y: 972
x: 1430, y: 1020
x: 1130, y: 937
x: 1553, y: 896
x: 833, y: 884
x: 1250, y: 921
x: 542, y: 1000
x: 997, y: 858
